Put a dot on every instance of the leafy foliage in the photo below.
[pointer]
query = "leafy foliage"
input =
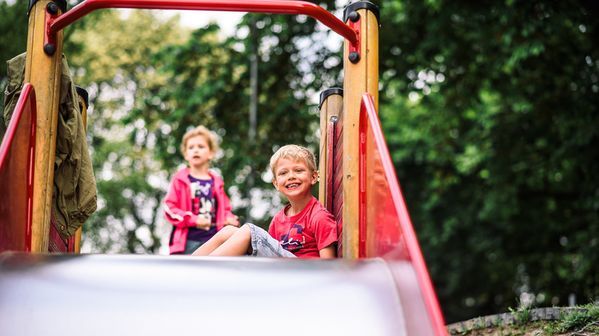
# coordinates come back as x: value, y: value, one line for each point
x: 491, y: 112
x: 148, y: 87
x: 14, y: 20
x: 210, y: 85
x: 115, y: 67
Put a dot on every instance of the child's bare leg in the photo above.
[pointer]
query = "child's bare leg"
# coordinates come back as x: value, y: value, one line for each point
x: 237, y: 245
x: 217, y: 240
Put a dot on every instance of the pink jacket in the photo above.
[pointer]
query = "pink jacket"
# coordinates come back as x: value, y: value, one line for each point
x: 177, y: 207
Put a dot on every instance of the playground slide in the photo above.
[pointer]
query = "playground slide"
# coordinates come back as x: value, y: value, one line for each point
x: 388, y: 292
x: 173, y: 295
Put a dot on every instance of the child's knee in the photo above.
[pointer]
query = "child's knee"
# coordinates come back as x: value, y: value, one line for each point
x: 244, y: 230
x: 228, y: 229
x: 244, y: 233
x: 226, y: 232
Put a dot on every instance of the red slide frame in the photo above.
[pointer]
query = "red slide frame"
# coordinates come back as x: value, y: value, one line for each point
x: 382, y: 206
x: 17, y: 157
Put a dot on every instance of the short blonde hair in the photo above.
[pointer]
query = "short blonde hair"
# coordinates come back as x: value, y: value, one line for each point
x: 200, y: 131
x: 294, y: 152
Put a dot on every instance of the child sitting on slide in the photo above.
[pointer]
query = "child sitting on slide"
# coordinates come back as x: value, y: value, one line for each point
x: 303, y: 228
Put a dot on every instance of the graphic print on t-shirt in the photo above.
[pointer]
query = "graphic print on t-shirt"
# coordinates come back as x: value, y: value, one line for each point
x: 293, y: 240
x: 202, y: 202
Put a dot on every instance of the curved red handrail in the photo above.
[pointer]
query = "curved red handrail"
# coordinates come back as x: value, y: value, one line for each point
x: 261, y: 6
x: 368, y: 115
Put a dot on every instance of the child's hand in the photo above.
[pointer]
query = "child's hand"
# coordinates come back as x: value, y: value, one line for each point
x: 232, y: 220
x: 203, y: 222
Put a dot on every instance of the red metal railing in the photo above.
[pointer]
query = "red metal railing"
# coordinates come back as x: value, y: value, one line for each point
x: 382, y: 206
x: 261, y: 6
x: 17, y: 154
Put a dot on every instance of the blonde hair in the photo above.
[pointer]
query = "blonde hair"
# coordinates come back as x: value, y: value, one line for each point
x: 200, y: 131
x: 294, y: 152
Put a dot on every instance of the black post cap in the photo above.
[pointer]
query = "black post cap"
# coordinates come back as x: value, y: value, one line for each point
x: 361, y: 5
x: 62, y: 4
x: 329, y: 92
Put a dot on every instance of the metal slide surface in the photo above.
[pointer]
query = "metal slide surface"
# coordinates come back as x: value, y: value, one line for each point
x: 178, y: 295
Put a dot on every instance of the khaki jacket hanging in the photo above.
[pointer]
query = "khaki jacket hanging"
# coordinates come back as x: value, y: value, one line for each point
x: 74, y: 197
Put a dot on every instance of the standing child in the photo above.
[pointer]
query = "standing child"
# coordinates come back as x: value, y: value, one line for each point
x: 196, y: 203
x: 304, y: 228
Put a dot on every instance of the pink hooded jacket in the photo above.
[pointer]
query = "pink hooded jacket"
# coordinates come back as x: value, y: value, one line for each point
x: 177, y: 207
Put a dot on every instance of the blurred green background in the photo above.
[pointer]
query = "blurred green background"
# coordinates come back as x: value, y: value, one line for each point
x: 490, y: 111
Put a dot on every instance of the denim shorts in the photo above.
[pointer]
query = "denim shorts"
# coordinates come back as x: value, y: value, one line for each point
x: 192, y: 245
x: 264, y: 245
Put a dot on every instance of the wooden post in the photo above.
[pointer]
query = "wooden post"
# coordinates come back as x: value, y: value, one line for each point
x: 43, y: 71
x: 360, y: 76
x: 331, y: 103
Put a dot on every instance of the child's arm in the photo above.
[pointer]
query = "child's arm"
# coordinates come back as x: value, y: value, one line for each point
x: 230, y: 217
x: 328, y: 252
x: 325, y: 229
x: 203, y: 222
x: 174, y: 210
x: 232, y: 220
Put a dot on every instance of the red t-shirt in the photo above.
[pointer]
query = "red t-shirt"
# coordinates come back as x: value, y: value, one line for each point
x: 306, y: 233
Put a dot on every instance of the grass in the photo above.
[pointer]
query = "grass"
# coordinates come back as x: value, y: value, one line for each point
x: 586, y: 318
x: 578, y: 321
x: 522, y: 315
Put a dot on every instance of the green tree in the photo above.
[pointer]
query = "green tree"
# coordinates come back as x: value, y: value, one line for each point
x: 491, y: 114
x: 13, y: 34
x: 115, y: 66
x: 148, y: 91
x: 210, y: 85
